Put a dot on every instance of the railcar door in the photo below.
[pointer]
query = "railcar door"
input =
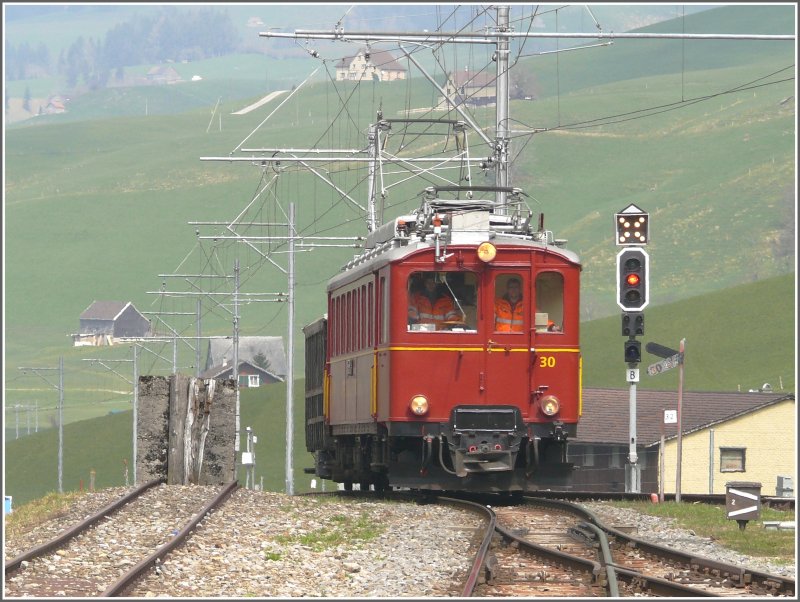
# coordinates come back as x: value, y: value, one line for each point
x: 507, y: 316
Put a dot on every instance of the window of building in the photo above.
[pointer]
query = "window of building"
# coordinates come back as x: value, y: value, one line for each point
x: 732, y: 459
x: 253, y: 380
x: 588, y: 455
x: 616, y: 458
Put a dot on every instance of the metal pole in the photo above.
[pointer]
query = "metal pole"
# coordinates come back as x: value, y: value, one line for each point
x: 197, y: 334
x: 135, y: 408
x: 632, y: 456
x: 61, y: 424
x: 680, y: 424
x: 661, y: 461
x: 710, y: 461
x: 373, y: 154
x: 290, y: 360
x: 501, y: 141
x: 16, y: 420
x: 236, y: 444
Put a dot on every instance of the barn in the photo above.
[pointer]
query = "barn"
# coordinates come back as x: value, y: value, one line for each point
x: 104, y: 321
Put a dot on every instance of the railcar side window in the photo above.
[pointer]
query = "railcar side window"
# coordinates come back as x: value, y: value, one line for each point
x: 549, y: 302
x: 442, y: 301
x: 509, y: 303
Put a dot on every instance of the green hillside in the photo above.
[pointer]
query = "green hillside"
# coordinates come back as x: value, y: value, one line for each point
x: 724, y: 352
x: 736, y: 339
x: 97, y: 201
x: 104, y: 444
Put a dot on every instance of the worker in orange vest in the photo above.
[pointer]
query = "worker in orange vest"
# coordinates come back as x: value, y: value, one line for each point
x: 508, y: 310
x: 429, y: 307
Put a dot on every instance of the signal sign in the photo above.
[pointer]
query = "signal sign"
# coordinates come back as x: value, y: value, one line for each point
x: 632, y: 226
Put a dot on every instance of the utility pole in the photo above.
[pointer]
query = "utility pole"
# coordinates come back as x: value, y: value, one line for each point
x: 290, y: 361
x: 501, y: 141
x: 681, y: 350
x: 135, y: 395
x: 236, y: 444
x: 60, y: 388
x: 135, y: 410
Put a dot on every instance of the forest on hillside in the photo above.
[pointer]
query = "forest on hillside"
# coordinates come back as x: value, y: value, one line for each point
x: 172, y: 35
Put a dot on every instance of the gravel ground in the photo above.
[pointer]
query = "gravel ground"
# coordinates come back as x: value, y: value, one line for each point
x: 664, y: 532
x: 272, y: 545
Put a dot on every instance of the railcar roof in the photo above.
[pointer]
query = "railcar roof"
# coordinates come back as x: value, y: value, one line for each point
x: 363, y: 264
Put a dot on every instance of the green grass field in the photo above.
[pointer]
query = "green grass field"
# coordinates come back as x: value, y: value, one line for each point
x: 98, y: 202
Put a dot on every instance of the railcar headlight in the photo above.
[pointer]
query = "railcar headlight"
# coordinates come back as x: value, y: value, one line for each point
x: 486, y: 251
x: 419, y: 405
x: 550, y: 405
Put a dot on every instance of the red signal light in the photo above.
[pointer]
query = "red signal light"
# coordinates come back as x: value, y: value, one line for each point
x: 632, y: 279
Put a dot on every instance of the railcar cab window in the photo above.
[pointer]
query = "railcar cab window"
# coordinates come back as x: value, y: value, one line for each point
x: 442, y: 301
x: 509, y: 303
x: 549, y: 315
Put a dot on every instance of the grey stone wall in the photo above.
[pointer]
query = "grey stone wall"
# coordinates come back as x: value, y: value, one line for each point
x: 186, y: 430
x: 152, y: 421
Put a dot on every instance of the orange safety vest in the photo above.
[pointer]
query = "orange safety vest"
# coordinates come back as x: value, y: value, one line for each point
x: 506, y: 319
x: 421, y: 310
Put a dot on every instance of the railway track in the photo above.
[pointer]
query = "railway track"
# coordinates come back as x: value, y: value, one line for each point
x: 95, y: 556
x: 552, y: 548
x: 539, y: 548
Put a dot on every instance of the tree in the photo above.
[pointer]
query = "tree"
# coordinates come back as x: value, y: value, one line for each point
x: 261, y: 360
x: 523, y: 84
x: 26, y: 103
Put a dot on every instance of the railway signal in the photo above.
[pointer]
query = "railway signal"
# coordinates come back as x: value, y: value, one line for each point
x: 632, y: 323
x: 633, y: 226
x: 632, y: 279
x: 633, y: 351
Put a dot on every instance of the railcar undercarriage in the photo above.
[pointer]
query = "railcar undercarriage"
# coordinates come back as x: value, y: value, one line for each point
x: 456, y: 456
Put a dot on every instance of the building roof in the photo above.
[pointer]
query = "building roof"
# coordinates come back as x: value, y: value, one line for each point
x: 605, y: 413
x: 473, y: 79
x: 381, y: 59
x: 220, y: 351
x: 105, y: 310
x: 216, y: 371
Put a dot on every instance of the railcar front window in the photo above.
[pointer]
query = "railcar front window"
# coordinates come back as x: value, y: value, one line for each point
x: 509, y: 304
x: 442, y: 301
x: 549, y: 302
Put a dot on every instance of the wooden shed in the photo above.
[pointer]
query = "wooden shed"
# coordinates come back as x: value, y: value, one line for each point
x: 104, y: 321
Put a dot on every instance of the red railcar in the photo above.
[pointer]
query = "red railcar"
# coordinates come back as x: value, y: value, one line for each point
x: 456, y: 402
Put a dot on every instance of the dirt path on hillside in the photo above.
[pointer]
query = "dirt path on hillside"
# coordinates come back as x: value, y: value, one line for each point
x: 261, y: 102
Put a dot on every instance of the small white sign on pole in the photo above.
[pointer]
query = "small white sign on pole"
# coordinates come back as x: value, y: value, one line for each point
x: 670, y: 417
x: 632, y: 374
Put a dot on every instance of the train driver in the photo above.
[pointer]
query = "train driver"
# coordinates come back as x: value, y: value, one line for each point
x: 428, y: 306
x: 508, y: 309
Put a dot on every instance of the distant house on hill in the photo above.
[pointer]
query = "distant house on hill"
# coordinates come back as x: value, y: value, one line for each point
x: 726, y: 436
x: 104, y: 321
x: 55, y: 105
x: 264, y: 353
x: 377, y: 64
x: 162, y: 74
x: 470, y: 88
x: 250, y: 374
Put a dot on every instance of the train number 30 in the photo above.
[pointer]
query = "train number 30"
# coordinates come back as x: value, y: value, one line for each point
x: 547, y: 361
